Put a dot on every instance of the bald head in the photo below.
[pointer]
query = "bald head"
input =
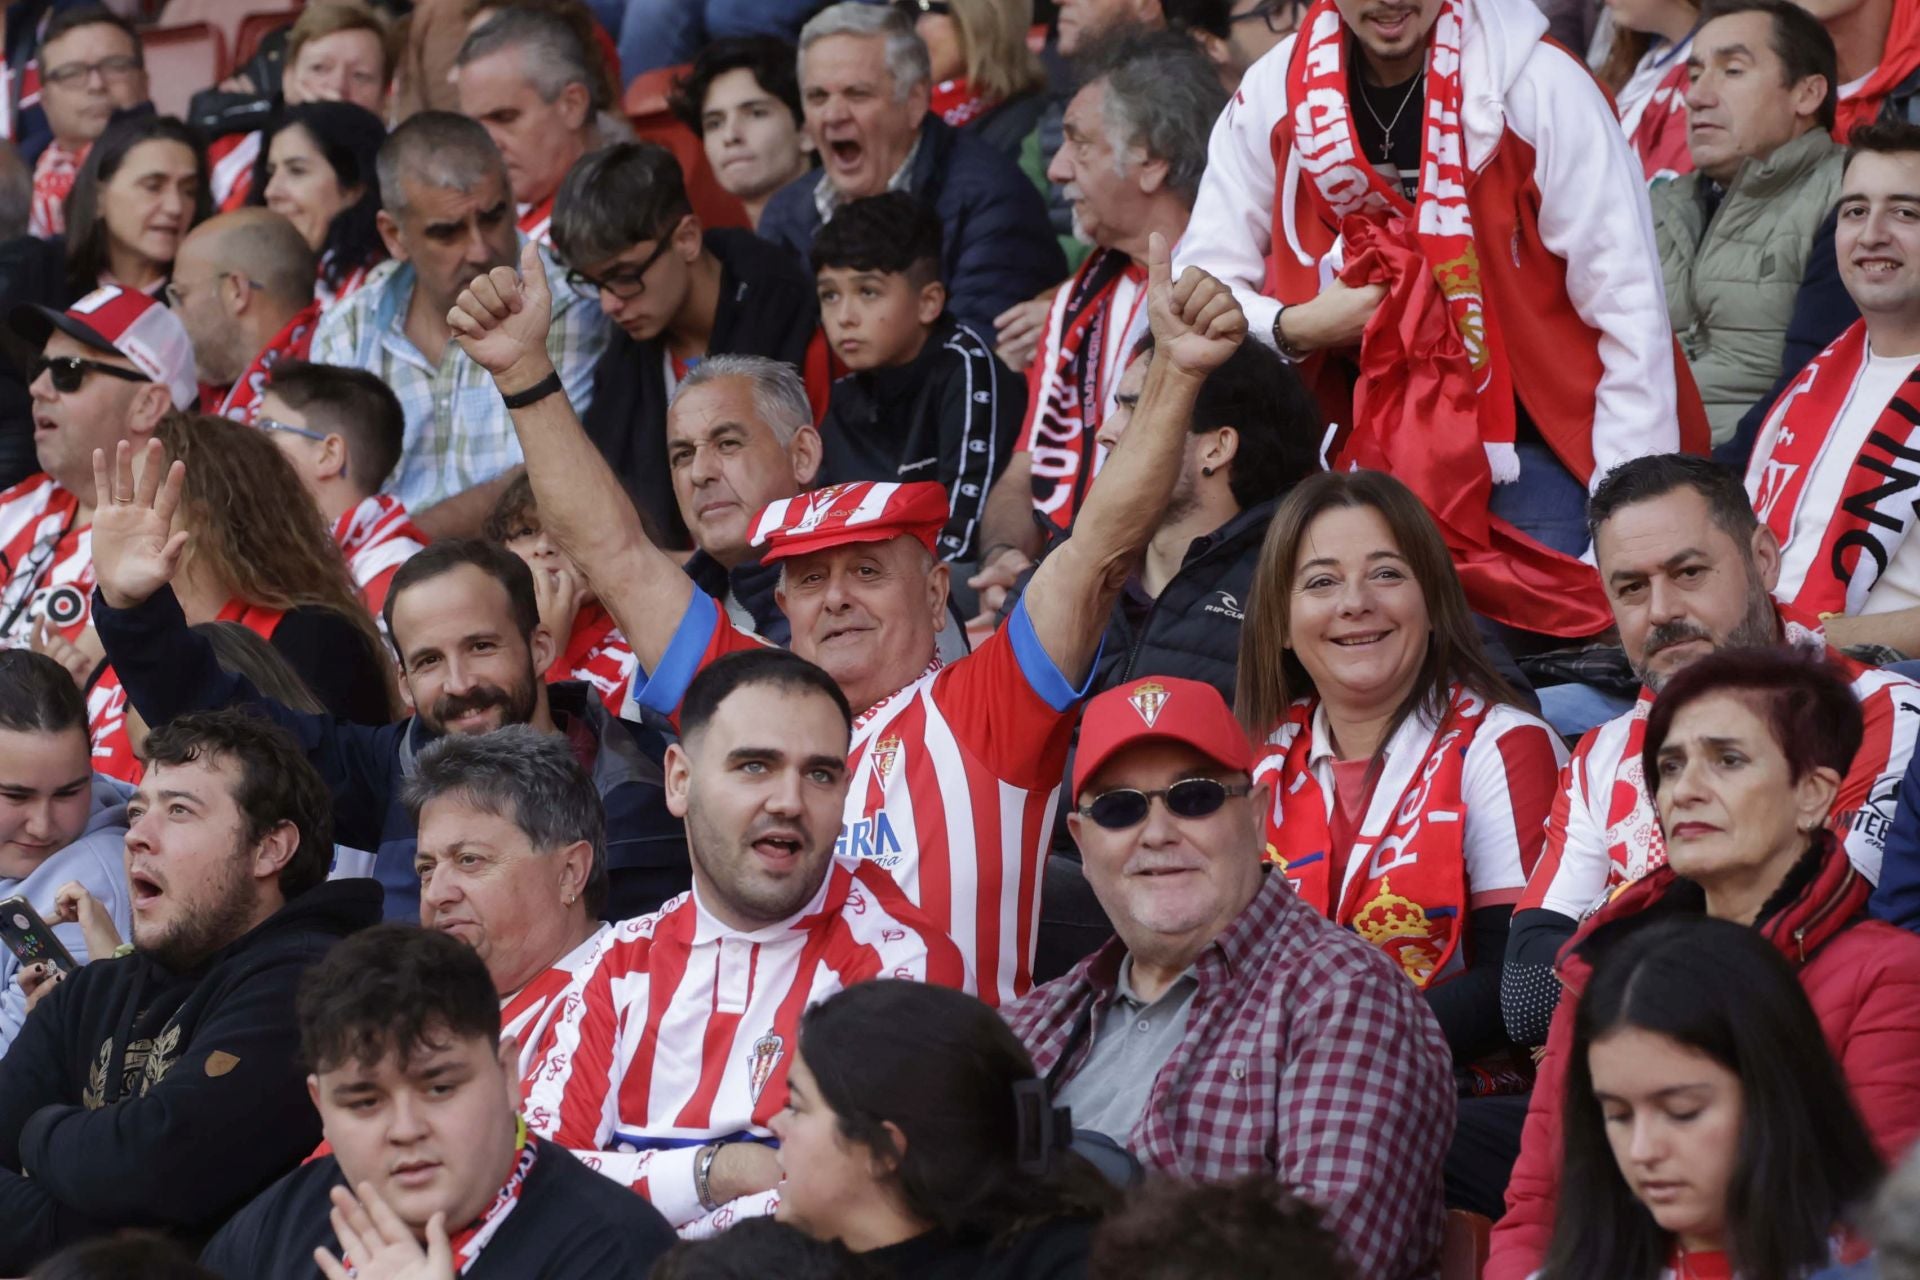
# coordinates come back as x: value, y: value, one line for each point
x: 263, y: 246
x: 238, y: 279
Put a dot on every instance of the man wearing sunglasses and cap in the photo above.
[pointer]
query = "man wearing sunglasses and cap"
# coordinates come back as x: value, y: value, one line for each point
x: 109, y: 369
x: 1229, y: 1029
x: 955, y: 769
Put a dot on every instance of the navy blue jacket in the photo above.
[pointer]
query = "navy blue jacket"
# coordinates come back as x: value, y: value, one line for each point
x: 998, y: 247
x: 169, y: 669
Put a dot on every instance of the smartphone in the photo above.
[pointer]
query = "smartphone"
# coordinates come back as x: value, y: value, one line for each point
x: 28, y: 937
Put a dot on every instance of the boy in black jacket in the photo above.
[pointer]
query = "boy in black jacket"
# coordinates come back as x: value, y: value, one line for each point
x: 419, y: 1095
x: 162, y: 1089
x: 926, y: 399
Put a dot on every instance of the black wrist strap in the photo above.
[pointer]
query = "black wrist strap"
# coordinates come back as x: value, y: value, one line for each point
x: 538, y: 391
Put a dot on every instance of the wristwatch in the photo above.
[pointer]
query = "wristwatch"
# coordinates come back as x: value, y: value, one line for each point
x: 1288, y: 351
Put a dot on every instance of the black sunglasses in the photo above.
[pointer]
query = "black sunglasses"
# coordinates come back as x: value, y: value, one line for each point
x: 1188, y: 798
x: 69, y: 372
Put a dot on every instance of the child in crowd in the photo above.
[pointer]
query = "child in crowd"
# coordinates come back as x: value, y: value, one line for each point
x: 926, y: 398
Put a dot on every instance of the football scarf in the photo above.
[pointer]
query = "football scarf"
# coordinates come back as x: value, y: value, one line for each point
x: 470, y: 1241
x: 955, y: 102
x: 1061, y: 440
x: 1405, y: 887
x: 1660, y: 138
x: 242, y: 401
x: 53, y: 179
x: 1876, y: 509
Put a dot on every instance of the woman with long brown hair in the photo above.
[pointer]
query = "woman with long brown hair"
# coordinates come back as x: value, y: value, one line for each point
x: 258, y: 554
x: 1411, y: 792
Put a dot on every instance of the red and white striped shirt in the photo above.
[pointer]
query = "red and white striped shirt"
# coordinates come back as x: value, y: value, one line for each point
x: 527, y: 1015
x: 230, y: 162
x: 598, y: 654
x: 536, y: 222
x: 377, y: 537
x: 954, y: 782
x: 46, y: 563
x: 680, y: 1028
x: 1603, y: 832
x: 53, y: 177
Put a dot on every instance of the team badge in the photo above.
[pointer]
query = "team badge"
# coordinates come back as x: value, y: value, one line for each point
x: 885, y: 753
x: 1148, y: 699
x: 761, y: 1060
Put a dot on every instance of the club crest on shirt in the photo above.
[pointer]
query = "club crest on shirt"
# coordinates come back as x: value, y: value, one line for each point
x: 886, y: 753
x: 761, y: 1060
x: 1148, y: 699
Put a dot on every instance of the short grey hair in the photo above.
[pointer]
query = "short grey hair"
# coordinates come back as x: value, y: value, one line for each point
x: 1893, y: 1223
x: 529, y: 778
x: 16, y: 193
x: 1163, y: 96
x: 549, y: 48
x: 779, y: 395
x: 439, y: 149
x: 907, y: 60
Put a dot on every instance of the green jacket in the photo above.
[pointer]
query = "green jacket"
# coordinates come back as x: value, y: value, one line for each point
x: 1731, y: 282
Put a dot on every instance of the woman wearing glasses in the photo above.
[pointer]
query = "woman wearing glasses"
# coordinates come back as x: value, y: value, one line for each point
x: 985, y: 78
x: 316, y: 170
x: 1410, y: 791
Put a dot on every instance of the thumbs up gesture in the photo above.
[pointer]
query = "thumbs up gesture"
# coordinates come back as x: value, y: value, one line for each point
x: 501, y: 321
x: 1197, y: 323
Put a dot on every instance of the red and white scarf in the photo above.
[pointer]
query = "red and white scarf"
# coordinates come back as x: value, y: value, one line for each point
x: 230, y: 162
x: 598, y: 654
x: 1876, y: 509
x: 536, y: 222
x: 1660, y: 136
x: 325, y: 293
x: 242, y: 401
x: 475, y: 1237
x: 1343, y: 184
x: 955, y: 102
x: 1060, y: 440
x: 1405, y: 887
x: 53, y: 177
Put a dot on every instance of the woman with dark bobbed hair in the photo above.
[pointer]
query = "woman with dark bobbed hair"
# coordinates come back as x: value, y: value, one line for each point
x: 1708, y: 1129
x: 917, y: 1134
x: 316, y: 169
x: 1744, y: 753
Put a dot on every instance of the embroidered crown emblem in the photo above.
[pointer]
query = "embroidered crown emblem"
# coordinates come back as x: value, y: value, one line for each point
x: 1148, y: 699
x: 885, y: 753
x: 1399, y: 926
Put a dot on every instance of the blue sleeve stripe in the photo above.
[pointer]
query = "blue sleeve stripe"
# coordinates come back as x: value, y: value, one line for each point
x: 681, y: 662
x: 1037, y: 665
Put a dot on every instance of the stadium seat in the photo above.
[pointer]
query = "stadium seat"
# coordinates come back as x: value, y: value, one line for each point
x: 256, y: 27
x: 181, y: 61
x: 645, y: 103
x: 224, y: 16
x: 1463, y: 1250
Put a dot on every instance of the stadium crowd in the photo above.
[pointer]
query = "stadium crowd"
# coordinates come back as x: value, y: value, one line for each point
x: 1141, y: 639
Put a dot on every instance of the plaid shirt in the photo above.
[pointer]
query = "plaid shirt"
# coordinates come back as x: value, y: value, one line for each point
x: 458, y: 433
x: 1307, y: 1055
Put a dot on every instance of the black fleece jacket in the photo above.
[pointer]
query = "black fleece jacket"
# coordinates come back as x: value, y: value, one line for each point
x: 135, y: 1096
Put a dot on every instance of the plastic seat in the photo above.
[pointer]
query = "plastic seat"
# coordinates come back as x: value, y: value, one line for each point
x: 1463, y: 1249
x: 256, y: 27
x: 181, y: 61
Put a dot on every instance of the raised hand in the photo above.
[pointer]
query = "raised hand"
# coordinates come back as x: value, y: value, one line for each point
x: 558, y: 595
x: 381, y: 1246
x: 72, y: 904
x: 136, y: 549
x: 501, y: 321
x: 79, y: 659
x: 1196, y: 322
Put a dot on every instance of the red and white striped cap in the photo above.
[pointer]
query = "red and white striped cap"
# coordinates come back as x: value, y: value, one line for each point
x: 864, y: 511
x: 128, y: 323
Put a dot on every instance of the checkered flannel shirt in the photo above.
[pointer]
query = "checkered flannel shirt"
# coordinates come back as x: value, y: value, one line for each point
x: 458, y: 433
x: 1308, y: 1055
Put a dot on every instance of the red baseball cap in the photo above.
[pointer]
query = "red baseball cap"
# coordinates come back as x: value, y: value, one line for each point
x: 127, y: 323
x: 1159, y: 709
x: 865, y: 511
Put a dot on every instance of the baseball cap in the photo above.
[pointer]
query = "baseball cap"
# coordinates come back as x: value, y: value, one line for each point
x: 864, y: 511
x: 125, y: 322
x: 1159, y: 709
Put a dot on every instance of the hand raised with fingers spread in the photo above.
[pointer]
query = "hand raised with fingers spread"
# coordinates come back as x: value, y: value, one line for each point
x: 381, y: 1246
x: 1196, y: 322
x: 501, y: 321
x: 136, y: 549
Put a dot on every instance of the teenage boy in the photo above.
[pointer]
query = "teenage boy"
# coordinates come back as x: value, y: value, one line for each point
x: 927, y: 399
x: 419, y: 1096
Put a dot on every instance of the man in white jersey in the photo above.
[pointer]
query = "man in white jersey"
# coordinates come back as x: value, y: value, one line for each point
x: 1688, y: 571
x: 670, y: 1051
x: 1836, y: 462
x: 956, y: 769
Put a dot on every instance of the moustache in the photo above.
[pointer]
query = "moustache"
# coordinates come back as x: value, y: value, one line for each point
x: 453, y: 706
x: 1667, y: 634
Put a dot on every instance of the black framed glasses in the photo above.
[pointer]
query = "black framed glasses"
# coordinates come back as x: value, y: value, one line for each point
x: 70, y: 372
x: 627, y: 283
x: 1281, y: 16
x: 118, y: 67
x: 1188, y: 798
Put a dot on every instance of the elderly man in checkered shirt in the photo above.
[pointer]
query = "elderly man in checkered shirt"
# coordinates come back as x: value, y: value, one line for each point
x: 1230, y: 1029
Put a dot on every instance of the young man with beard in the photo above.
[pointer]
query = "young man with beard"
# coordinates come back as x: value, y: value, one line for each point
x: 671, y: 1051
x: 159, y: 1089
x: 429, y: 1162
x: 466, y: 630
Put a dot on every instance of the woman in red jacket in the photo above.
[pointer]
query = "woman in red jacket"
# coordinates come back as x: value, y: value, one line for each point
x: 1745, y: 751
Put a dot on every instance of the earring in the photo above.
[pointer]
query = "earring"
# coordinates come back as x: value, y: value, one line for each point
x: 1206, y: 471
x: 568, y: 900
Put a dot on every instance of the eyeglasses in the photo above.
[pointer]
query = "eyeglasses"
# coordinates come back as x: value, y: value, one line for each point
x: 1281, y: 16
x: 625, y: 284
x: 914, y: 8
x: 1188, y: 798
x: 118, y: 67
x: 274, y: 424
x: 174, y: 295
x: 69, y: 372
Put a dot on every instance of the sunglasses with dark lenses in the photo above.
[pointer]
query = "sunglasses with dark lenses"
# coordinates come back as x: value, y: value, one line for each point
x: 1187, y: 798
x: 69, y: 372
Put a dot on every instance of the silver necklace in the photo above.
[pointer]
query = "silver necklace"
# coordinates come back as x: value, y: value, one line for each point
x: 1387, y: 126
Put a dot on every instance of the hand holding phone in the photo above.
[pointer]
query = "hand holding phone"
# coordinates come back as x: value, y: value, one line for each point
x: 29, y: 938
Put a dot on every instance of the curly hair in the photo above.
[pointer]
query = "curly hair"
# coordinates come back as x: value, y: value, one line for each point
x: 254, y: 526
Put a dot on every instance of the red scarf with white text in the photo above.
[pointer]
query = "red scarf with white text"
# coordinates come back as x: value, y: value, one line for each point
x: 242, y: 401
x: 475, y: 1237
x: 955, y: 102
x: 53, y: 178
x: 1062, y: 439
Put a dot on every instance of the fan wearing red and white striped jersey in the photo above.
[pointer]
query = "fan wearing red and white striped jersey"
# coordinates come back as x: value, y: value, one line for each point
x: 671, y: 1049
x: 1688, y: 571
x: 956, y: 769
x: 1836, y: 462
x: 230, y: 163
